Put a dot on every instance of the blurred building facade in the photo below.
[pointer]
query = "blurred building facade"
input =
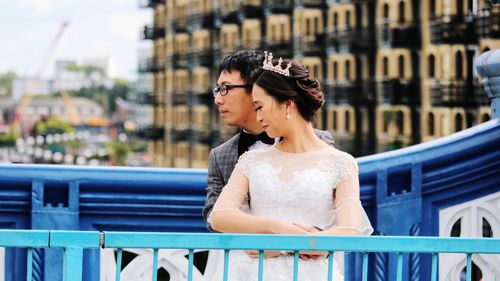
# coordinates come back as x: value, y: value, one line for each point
x: 395, y: 72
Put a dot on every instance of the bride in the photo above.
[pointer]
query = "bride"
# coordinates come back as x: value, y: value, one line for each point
x: 301, y: 185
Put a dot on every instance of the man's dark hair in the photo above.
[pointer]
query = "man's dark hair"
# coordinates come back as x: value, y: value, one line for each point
x: 248, y: 63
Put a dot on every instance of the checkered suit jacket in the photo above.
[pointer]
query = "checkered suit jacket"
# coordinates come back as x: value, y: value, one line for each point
x: 221, y: 163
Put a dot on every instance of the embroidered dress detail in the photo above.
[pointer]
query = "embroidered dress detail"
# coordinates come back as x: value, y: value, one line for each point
x: 311, y: 188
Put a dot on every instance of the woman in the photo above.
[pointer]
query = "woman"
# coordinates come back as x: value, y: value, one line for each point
x: 301, y: 185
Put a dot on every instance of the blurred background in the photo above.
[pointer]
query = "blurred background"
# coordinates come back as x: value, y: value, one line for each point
x: 126, y: 82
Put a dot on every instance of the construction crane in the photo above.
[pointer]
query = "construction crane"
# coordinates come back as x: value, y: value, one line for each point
x: 32, y: 86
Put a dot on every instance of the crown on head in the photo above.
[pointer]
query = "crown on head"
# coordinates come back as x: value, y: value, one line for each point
x: 268, y: 65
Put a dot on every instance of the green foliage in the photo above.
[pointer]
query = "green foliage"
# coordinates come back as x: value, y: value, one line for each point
x: 118, y: 153
x: 9, y: 139
x: 87, y: 69
x: 139, y: 146
x: 6, y: 82
x: 102, y: 95
x: 53, y: 126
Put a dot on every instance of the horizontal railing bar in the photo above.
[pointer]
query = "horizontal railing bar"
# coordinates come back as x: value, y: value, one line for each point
x: 418, y: 244
x: 79, y: 239
x: 24, y: 238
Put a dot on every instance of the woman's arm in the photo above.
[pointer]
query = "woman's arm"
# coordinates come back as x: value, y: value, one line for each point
x: 226, y: 215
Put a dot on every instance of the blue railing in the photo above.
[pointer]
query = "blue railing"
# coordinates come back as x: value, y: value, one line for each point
x: 74, y: 242
x: 418, y: 182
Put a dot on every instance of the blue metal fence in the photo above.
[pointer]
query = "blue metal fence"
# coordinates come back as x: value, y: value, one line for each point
x: 74, y: 242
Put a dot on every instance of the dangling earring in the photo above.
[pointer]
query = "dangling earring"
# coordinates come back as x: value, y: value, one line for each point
x: 288, y: 113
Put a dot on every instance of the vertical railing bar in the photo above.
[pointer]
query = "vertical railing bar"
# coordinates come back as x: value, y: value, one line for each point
x: 226, y: 264
x: 400, y: 267
x: 365, y: 267
x: 261, y: 264
x: 155, y: 264
x: 434, y: 267
x: 330, y: 266
x: 73, y: 263
x: 469, y: 267
x: 29, y: 269
x: 118, y: 264
x: 295, y: 265
x: 190, y: 265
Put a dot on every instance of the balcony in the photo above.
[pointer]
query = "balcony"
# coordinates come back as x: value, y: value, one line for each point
x: 488, y: 22
x: 152, y: 32
x: 181, y: 60
x: 180, y: 24
x: 199, y: 20
x: 310, y: 3
x: 203, y: 57
x: 310, y: 45
x: 400, y: 36
x: 354, y: 40
x: 151, y: 99
x: 398, y: 92
x: 151, y: 65
x: 457, y: 93
x: 152, y: 133
x: 349, y: 92
x: 150, y: 3
x: 454, y: 29
x: 280, y: 48
x: 280, y: 6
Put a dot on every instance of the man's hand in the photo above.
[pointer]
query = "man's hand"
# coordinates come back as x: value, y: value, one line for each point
x: 306, y: 255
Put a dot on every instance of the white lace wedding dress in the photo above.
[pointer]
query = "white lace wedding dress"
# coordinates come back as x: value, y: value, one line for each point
x: 318, y: 188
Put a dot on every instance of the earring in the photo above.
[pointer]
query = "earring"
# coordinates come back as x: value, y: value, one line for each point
x: 288, y: 113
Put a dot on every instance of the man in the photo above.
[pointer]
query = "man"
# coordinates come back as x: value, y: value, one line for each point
x: 233, y: 95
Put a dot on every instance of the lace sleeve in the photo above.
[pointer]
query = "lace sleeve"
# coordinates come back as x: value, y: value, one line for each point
x: 233, y: 195
x: 348, y: 211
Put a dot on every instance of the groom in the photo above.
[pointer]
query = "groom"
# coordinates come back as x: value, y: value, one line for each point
x: 233, y: 96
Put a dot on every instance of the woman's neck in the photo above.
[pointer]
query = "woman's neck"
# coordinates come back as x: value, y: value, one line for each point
x: 301, y: 138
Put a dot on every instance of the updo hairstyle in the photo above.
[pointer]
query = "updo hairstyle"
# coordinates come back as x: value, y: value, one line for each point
x: 298, y: 87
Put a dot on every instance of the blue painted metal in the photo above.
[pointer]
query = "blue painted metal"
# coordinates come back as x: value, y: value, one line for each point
x: 419, y: 180
x: 300, y: 242
x: 155, y: 265
x: 190, y: 265
x: 488, y: 67
x: 226, y: 265
x: 119, y: 255
x: 75, y: 242
x: 295, y: 265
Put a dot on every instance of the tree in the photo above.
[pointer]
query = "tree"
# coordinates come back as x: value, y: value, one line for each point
x: 6, y: 82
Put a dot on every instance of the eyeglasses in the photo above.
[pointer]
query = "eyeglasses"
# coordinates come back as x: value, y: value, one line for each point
x: 224, y: 89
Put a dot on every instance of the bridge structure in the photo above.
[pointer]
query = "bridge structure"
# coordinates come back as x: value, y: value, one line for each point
x: 448, y: 187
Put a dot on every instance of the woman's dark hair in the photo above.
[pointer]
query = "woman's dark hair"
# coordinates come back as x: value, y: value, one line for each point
x: 298, y: 87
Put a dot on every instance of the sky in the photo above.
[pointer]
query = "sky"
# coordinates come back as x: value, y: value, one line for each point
x: 97, y: 28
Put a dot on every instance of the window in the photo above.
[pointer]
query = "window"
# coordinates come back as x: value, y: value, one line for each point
x: 431, y: 124
x: 401, y: 12
x: 401, y: 63
x: 347, y: 120
x: 335, y: 70
x: 458, y: 122
x: 459, y: 66
x: 386, y: 11
x: 385, y: 65
x: 432, y: 66
x: 348, y: 70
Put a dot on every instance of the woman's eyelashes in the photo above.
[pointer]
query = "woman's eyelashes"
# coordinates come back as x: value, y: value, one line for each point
x: 257, y: 108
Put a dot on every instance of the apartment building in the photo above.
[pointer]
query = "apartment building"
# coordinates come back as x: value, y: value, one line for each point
x: 395, y: 72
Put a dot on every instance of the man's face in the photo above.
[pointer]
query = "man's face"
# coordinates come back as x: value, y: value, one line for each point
x: 236, y: 107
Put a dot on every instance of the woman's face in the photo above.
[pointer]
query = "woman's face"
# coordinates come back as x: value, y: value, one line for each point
x: 271, y: 115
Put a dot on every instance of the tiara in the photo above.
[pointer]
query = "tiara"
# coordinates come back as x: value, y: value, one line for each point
x: 268, y: 65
